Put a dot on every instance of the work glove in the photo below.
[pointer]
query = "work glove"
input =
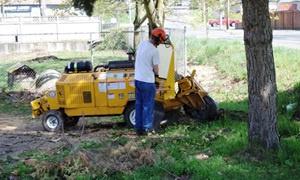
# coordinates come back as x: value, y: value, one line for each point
x: 156, y: 82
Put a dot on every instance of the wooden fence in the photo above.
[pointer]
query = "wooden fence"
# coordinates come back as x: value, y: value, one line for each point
x: 281, y: 20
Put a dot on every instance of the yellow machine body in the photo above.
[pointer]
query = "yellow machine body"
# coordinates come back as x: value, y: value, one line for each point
x: 94, y: 93
x: 109, y: 91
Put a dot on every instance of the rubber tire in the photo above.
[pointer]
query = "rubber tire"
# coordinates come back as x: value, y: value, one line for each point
x: 172, y: 117
x: 232, y: 24
x: 208, y: 113
x: 129, y: 114
x: 214, y: 24
x: 70, y: 121
x: 57, y: 116
x: 187, y: 109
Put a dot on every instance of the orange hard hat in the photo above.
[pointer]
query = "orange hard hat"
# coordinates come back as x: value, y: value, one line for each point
x: 159, y: 33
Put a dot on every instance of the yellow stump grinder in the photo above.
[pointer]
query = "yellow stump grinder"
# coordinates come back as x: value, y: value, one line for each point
x: 107, y: 90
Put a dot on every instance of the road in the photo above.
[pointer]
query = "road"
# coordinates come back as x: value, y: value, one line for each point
x: 286, y: 38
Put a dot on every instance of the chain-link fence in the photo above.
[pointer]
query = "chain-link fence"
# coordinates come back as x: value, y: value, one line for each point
x: 27, y: 65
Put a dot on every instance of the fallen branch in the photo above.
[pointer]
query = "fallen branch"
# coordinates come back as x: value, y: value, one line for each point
x: 84, y: 150
x: 161, y: 167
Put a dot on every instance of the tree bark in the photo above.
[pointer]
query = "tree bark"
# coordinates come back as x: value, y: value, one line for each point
x: 155, y: 14
x: 227, y: 8
x: 42, y: 7
x: 205, y: 10
x: 262, y: 88
x: 139, y: 20
x: 117, y: 18
x: 2, y: 6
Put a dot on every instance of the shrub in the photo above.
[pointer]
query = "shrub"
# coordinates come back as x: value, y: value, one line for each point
x: 114, y: 40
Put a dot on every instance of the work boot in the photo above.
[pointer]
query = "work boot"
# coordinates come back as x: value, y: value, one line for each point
x: 145, y: 133
x: 139, y: 132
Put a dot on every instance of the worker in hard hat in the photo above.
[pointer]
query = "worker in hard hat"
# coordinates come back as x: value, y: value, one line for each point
x: 146, y: 68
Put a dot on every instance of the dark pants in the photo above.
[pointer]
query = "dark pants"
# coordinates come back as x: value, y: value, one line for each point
x: 144, y: 105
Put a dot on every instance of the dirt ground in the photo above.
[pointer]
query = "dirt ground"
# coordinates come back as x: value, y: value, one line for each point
x: 20, y: 133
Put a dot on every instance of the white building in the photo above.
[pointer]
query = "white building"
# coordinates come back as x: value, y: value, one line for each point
x: 17, y: 8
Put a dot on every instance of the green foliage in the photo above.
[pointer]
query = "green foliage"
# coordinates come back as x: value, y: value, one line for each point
x: 92, y: 144
x: 87, y: 6
x: 114, y: 41
x: 16, y: 108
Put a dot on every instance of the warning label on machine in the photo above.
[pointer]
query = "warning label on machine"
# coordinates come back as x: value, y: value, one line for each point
x: 116, y: 85
x: 102, y: 75
x: 111, y: 95
x: 131, y: 83
x: 102, y: 86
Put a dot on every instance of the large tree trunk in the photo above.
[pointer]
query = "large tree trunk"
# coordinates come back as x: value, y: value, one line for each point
x: 262, y: 89
x: 155, y: 13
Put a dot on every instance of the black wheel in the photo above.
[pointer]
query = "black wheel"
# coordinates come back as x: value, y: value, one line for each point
x: 207, y: 112
x: 70, y: 121
x: 171, y: 117
x: 129, y: 114
x: 214, y: 24
x: 232, y: 24
x: 187, y: 109
x: 52, y: 120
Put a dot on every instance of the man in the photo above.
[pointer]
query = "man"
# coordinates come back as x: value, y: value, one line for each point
x: 146, y: 68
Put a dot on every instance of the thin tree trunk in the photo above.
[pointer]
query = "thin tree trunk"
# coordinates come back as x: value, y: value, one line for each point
x: 205, y: 10
x: 117, y: 18
x: 42, y: 7
x: 262, y: 89
x: 227, y: 7
x: 3, y: 10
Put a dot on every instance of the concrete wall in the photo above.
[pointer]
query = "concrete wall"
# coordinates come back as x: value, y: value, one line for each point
x: 8, y: 48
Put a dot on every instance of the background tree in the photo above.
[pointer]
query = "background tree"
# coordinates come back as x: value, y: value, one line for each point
x: 43, y: 7
x: 205, y: 10
x: 138, y: 21
x: 262, y: 89
x: 3, y: 2
x: 109, y: 8
x: 154, y: 9
x: 155, y: 14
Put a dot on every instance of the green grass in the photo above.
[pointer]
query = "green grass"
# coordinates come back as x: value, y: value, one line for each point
x: 227, y: 137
